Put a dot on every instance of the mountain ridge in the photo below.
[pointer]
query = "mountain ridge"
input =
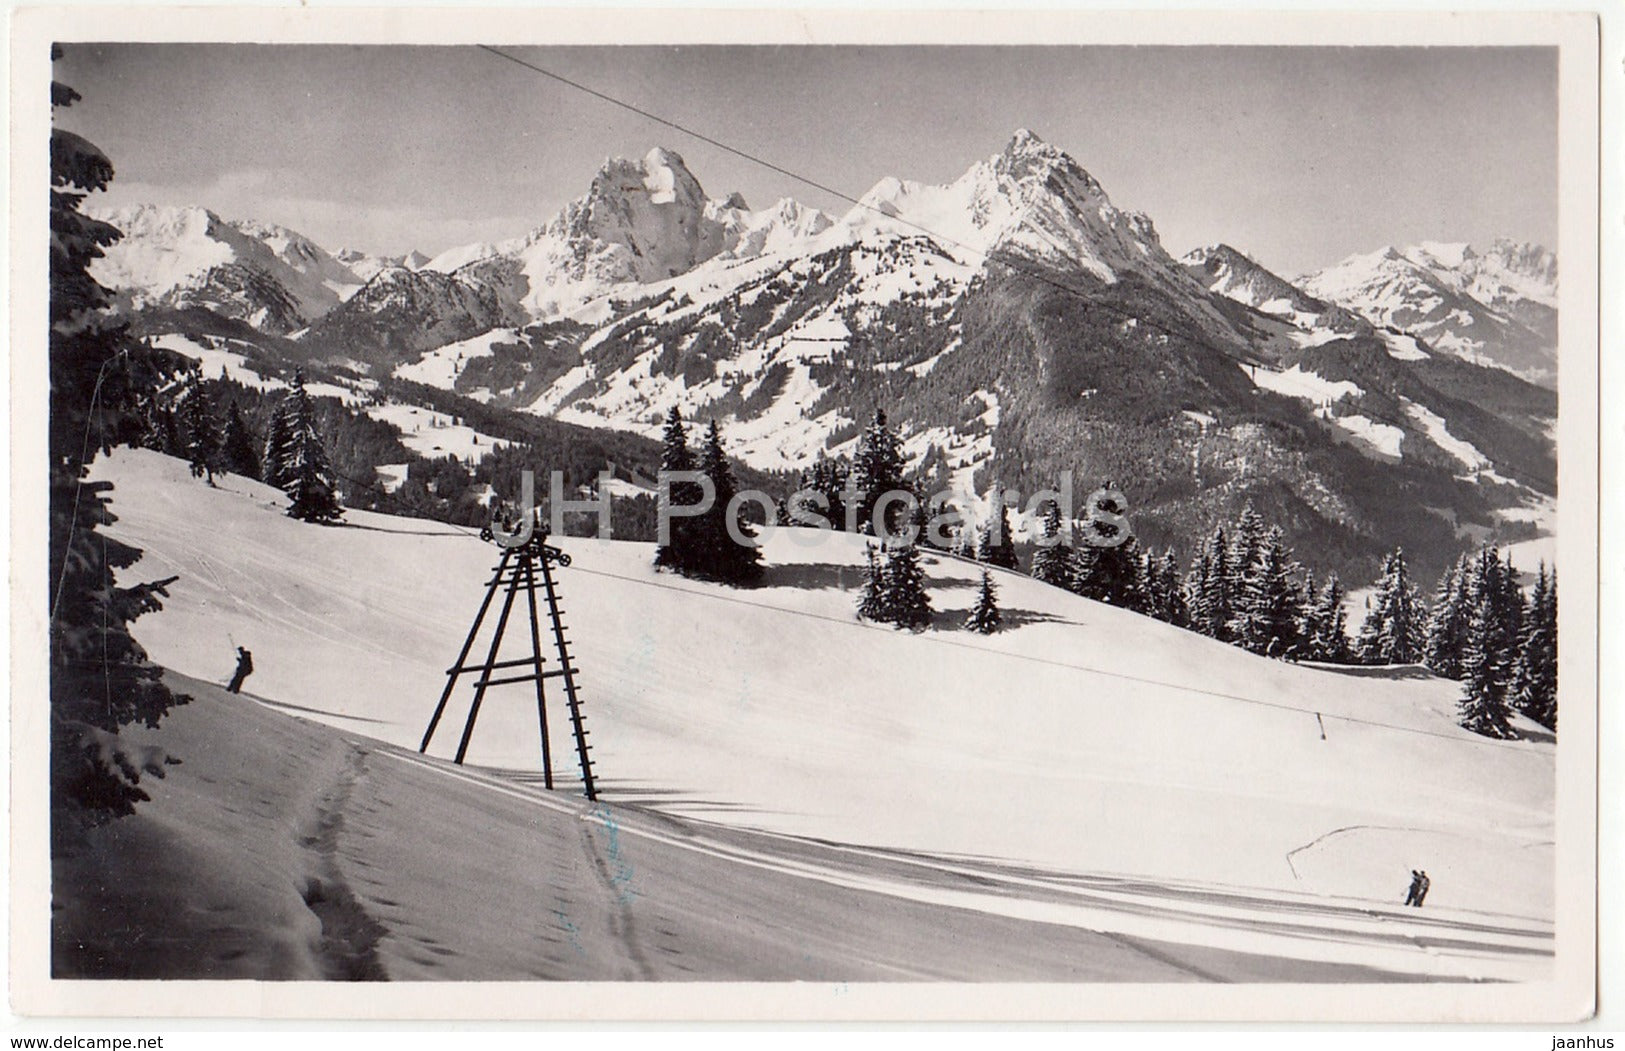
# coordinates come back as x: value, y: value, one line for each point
x: 1041, y: 330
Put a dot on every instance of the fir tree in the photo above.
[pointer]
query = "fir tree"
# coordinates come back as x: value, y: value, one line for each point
x: 1483, y: 708
x: 1394, y: 631
x: 307, y: 477
x: 201, y: 436
x: 872, y: 599
x: 997, y: 547
x: 716, y: 553
x: 829, y: 477
x: 237, y: 453
x: 1330, y: 641
x: 1196, y: 586
x: 967, y: 541
x: 1106, y: 567
x: 1510, y: 605
x: 919, y: 517
x: 1447, y: 622
x: 679, y: 552
x: 1244, y: 551
x: 1211, y: 602
x: 1146, y: 584
x: 1175, y: 611
x: 903, y: 596
x: 275, y: 463
x: 158, y: 428
x: 1269, y: 610
x: 1534, y: 683
x: 1052, y: 561
x: 877, y: 469
x: 100, y: 678
x: 1308, y: 617
x: 984, y: 617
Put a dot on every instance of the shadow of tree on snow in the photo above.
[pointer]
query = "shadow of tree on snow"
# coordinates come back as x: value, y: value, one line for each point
x: 1009, y: 619
x: 814, y: 576
x: 1390, y: 672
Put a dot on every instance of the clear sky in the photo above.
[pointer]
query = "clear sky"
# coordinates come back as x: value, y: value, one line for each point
x: 1299, y: 156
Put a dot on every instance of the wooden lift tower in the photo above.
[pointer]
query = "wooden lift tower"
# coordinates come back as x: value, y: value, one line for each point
x: 526, y: 565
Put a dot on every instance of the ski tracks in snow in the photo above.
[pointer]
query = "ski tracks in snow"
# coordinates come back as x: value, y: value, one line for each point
x: 1302, y: 930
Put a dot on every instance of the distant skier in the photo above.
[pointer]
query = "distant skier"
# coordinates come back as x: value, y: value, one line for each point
x: 1414, y: 896
x: 1421, y: 895
x: 245, y: 668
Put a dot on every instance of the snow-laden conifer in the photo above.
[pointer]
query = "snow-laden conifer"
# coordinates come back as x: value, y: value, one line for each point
x: 984, y: 617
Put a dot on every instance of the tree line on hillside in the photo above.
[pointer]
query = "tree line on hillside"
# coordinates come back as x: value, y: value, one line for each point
x: 458, y: 491
x: 1244, y: 587
x: 182, y: 420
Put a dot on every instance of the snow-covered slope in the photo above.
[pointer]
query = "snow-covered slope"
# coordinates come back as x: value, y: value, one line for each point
x: 756, y: 344
x: 1082, y: 737
x: 1498, y: 307
x: 400, y: 313
x: 267, y: 275
x: 441, y: 366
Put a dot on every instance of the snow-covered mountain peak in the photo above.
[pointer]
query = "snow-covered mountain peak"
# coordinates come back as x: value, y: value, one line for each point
x: 1452, y: 256
x: 1028, y: 157
x: 641, y: 222
x: 1232, y: 273
x: 1033, y: 199
x: 661, y: 176
x: 1218, y: 254
x: 148, y: 220
x: 183, y: 256
x: 365, y: 265
x: 1026, y: 141
x: 1498, y: 306
x: 884, y: 196
x: 1528, y: 269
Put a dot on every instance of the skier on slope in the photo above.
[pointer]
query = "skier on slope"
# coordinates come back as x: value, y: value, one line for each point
x: 1422, y: 893
x: 1414, y: 895
x: 245, y: 668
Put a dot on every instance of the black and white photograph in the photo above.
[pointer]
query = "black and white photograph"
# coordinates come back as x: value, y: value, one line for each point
x: 878, y: 512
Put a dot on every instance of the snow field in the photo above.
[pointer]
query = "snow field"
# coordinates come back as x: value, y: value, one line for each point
x: 441, y: 367
x: 1082, y: 737
x: 434, y: 434
x: 215, y: 361
x: 1306, y: 386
